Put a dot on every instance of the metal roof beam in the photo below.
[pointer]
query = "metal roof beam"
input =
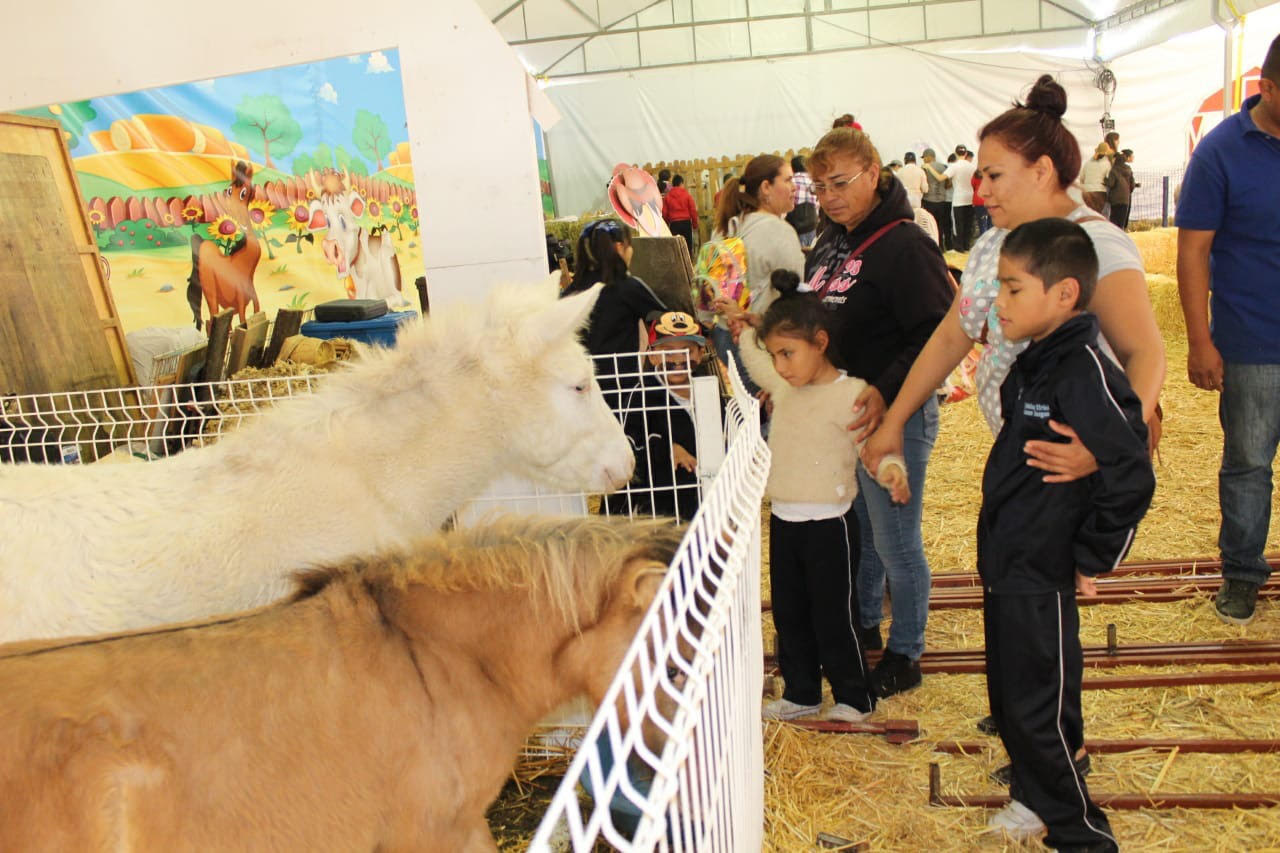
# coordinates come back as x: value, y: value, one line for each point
x: 876, y: 43
x: 1132, y: 12
x: 747, y: 19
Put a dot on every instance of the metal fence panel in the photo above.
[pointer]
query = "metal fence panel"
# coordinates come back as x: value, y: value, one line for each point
x: 674, y: 758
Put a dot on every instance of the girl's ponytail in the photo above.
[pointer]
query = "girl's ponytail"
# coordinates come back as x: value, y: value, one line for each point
x: 797, y: 315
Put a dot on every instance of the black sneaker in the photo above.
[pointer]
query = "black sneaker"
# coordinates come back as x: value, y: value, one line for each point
x: 1004, y: 775
x: 1237, y: 601
x: 869, y: 638
x: 895, y: 673
x: 987, y: 725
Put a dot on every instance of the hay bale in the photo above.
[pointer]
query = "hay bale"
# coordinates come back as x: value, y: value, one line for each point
x: 1159, y: 250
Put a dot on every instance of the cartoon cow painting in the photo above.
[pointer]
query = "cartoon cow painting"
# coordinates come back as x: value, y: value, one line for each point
x: 367, y: 261
x: 225, y: 279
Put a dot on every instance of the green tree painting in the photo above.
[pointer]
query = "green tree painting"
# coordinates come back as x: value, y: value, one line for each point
x: 345, y: 160
x: 302, y: 164
x: 323, y: 156
x: 263, y: 123
x: 371, y: 137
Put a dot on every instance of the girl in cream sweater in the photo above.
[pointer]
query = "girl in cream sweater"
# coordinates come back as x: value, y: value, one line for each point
x: 813, y: 535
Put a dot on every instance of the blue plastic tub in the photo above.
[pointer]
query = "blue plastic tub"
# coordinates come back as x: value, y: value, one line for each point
x: 380, y: 331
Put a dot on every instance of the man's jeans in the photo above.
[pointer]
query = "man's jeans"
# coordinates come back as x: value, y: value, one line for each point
x: 892, y: 545
x: 1249, y: 411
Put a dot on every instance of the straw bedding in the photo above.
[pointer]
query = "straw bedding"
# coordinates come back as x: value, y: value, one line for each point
x: 860, y: 788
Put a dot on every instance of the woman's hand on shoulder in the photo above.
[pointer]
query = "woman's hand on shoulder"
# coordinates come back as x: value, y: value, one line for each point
x: 1064, y: 462
x: 868, y: 412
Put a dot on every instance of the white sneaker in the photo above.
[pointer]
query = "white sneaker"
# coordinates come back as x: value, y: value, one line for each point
x: 843, y: 713
x: 785, y: 709
x: 1017, y: 821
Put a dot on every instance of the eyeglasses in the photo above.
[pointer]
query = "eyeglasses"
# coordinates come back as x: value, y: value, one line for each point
x: 838, y: 185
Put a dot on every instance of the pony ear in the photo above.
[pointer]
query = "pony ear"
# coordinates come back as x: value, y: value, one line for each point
x: 642, y: 581
x: 566, y: 316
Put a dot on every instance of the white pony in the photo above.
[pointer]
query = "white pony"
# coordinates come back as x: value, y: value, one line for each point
x: 378, y: 456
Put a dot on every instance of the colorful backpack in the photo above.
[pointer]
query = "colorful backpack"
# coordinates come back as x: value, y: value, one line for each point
x: 721, y: 270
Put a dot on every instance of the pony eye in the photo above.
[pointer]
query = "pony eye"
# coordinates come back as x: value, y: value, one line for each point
x: 580, y: 388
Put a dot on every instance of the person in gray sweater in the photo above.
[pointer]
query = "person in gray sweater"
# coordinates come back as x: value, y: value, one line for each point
x: 813, y: 535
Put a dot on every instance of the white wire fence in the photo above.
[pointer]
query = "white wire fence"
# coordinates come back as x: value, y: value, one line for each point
x: 131, y: 424
x: 674, y: 760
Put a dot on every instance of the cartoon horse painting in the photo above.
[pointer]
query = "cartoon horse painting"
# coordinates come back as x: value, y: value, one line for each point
x: 377, y: 456
x: 226, y: 280
x: 382, y: 709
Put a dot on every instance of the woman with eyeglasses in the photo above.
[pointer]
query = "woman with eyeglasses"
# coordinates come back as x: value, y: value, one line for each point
x: 887, y: 283
x: 604, y: 255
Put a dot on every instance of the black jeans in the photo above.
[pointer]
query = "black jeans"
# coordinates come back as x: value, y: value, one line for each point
x: 1120, y: 216
x: 963, y: 216
x: 684, y: 228
x: 941, y: 211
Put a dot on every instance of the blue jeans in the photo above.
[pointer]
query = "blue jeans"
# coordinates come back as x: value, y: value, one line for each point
x: 892, y: 546
x: 982, y: 218
x: 1249, y: 411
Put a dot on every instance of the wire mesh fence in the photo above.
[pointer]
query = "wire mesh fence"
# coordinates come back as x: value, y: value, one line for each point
x: 128, y: 424
x: 673, y: 760
x: 1155, y: 199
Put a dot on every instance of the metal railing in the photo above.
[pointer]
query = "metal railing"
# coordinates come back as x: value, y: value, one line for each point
x: 674, y: 759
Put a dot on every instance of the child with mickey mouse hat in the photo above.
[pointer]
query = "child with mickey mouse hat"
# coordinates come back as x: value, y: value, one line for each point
x: 657, y: 416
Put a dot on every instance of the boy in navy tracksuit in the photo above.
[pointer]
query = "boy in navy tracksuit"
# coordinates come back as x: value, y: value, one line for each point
x: 1040, y: 543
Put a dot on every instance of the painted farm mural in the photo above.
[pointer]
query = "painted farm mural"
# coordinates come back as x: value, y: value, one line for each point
x: 277, y: 188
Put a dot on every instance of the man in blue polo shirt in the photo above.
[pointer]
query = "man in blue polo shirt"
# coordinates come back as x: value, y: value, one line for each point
x: 1229, y: 262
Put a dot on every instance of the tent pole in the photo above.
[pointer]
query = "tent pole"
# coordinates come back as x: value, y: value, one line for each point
x: 1228, y: 28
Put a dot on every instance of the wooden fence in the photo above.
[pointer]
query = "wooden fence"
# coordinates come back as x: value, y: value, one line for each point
x: 703, y: 178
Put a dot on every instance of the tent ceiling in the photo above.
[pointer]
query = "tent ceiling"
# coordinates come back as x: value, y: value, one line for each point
x: 560, y: 38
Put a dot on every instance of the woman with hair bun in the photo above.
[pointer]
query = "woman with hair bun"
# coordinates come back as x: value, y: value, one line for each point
x: 1028, y: 159
x: 886, y: 284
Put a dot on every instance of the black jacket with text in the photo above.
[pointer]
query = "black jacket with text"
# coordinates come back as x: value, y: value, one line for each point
x: 1032, y: 535
x: 888, y: 301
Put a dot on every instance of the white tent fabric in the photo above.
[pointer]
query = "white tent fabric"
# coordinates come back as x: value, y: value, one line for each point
x: 938, y: 94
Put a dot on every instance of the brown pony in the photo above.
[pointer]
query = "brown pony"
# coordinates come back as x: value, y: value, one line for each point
x: 381, y: 709
x: 227, y: 280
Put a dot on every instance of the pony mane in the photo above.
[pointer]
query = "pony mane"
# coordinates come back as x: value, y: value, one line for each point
x: 567, y: 563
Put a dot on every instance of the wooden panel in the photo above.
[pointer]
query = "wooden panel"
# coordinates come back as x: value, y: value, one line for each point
x: 51, y: 332
x: 247, y: 343
x: 663, y: 264
x: 287, y: 324
x: 43, y: 139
